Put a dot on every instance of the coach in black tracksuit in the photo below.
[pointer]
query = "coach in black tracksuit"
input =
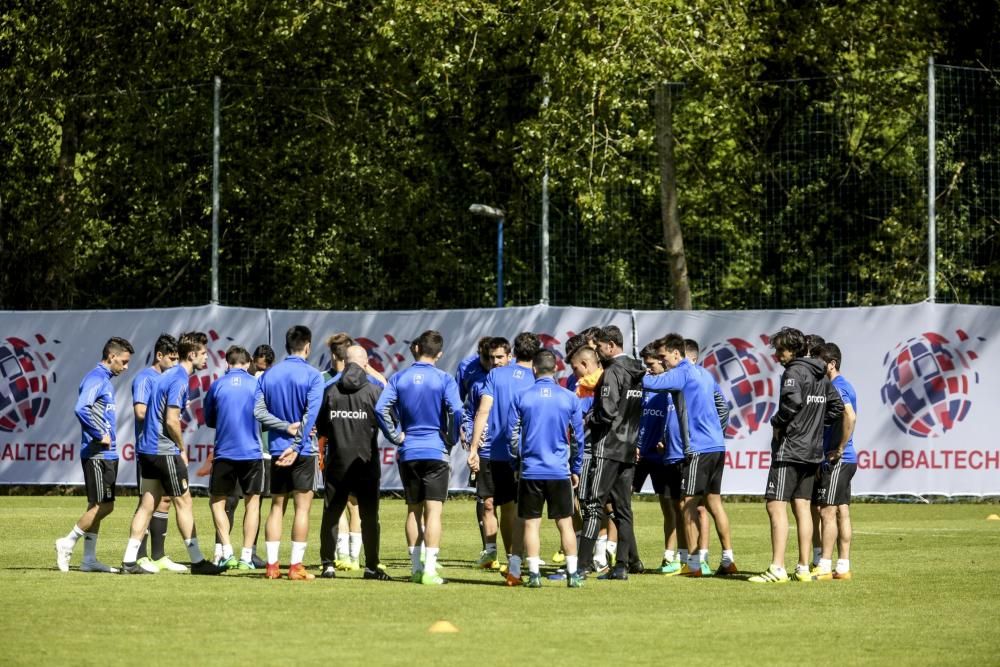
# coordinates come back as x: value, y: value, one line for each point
x: 614, y: 431
x: 347, y: 420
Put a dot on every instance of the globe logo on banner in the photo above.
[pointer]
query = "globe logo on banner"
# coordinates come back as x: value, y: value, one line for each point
x: 198, y: 384
x: 747, y: 380
x: 24, y: 385
x: 927, y: 383
x: 388, y: 359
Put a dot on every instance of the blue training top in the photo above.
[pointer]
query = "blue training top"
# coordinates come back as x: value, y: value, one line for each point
x: 424, y: 401
x: 546, y: 431
x: 229, y: 410
x: 652, y: 424
x: 848, y: 395
x: 503, y: 384
x: 170, y: 390
x: 142, y: 390
x: 693, y: 393
x: 95, y: 410
x: 290, y: 391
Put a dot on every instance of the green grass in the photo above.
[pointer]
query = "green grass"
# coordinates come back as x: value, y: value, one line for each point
x: 924, y: 593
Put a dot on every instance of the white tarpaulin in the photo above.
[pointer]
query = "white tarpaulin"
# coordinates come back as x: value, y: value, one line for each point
x: 926, y: 377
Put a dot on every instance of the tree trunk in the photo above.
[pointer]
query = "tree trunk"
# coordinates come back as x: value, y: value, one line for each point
x: 673, y: 240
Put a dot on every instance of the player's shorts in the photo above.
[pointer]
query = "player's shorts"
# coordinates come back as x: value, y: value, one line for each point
x: 424, y: 479
x: 229, y: 476
x: 557, y: 494
x: 786, y: 481
x: 504, y: 484
x: 703, y: 474
x: 266, y: 491
x: 300, y: 476
x: 673, y: 480
x: 167, y: 469
x: 99, y: 478
x: 653, y: 469
x: 484, y: 479
x: 833, y: 485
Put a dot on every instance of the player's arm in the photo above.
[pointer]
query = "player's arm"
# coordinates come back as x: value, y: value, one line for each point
x: 721, y: 406
x: 139, y: 412
x: 211, y: 412
x: 834, y: 404
x: 94, y: 424
x: 383, y: 413
x: 576, y: 440
x: 268, y: 420
x: 375, y: 374
x: 789, y: 401
x: 848, y: 421
x: 172, y: 429
x: 478, y: 429
x: 454, y: 411
x: 514, y: 444
x: 314, y: 399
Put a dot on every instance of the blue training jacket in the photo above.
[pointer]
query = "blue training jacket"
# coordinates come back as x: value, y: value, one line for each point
x: 504, y: 384
x: 170, y: 390
x: 95, y: 410
x: 290, y: 391
x: 229, y: 410
x: 546, y: 431
x: 693, y: 392
x: 423, y: 400
x: 655, y: 408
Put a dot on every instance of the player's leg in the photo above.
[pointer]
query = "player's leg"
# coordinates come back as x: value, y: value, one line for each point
x: 530, y: 500
x: 594, y: 489
x: 435, y: 476
x: 302, y: 498
x: 776, y: 496
x: 221, y: 482
x: 532, y: 549
x: 152, y: 492
x: 273, y: 530
x: 366, y: 490
x: 414, y: 538
x: 844, y: 534
x: 621, y: 498
x: 334, y: 504
x: 158, y: 525
x: 804, y: 529
x: 354, y: 533
x: 485, y: 492
x: 184, y: 512
x: 817, y: 540
x: 343, y: 544
x: 251, y: 519
x: 221, y: 518
x: 713, y: 501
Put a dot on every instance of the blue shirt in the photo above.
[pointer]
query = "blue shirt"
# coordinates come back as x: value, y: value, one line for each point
x: 469, y: 371
x: 693, y: 391
x: 503, y: 385
x: 170, y: 390
x: 329, y: 378
x: 546, y: 431
x: 289, y: 392
x: 229, y: 410
x: 95, y: 410
x: 472, y: 401
x: 848, y: 395
x: 652, y: 425
x: 142, y: 389
x: 424, y: 401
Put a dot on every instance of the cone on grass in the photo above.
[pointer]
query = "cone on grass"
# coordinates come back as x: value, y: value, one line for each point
x: 442, y: 627
x: 993, y: 517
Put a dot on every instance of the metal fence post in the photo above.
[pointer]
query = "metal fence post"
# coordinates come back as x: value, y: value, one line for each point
x: 931, y: 185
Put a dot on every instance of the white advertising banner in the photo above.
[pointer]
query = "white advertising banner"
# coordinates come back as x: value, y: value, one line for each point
x: 927, y: 379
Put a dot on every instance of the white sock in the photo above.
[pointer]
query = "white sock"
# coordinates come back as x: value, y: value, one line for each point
x: 355, y: 545
x: 570, y: 564
x: 298, y: 553
x: 778, y: 570
x: 219, y: 552
x: 824, y: 565
x: 817, y: 554
x: 415, y: 564
x: 246, y: 554
x: 514, y: 565
x: 727, y: 557
x: 668, y: 555
x: 534, y: 563
x: 90, y: 547
x: 843, y: 565
x: 804, y: 569
x: 601, y: 549
x: 491, y: 547
x: 74, y: 535
x: 131, y: 550
x: 343, y: 544
x: 703, y: 555
x: 227, y: 551
x: 430, y: 560
x: 612, y: 548
x: 194, y: 551
x: 272, y: 552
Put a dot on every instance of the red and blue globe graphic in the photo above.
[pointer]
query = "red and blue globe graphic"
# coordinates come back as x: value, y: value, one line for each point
x: 927, y: 383
x: 24, y: 386
x: 194, y: 415
x: 748, y: 381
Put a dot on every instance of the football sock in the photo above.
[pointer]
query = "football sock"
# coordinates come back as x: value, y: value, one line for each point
x: 514, y: 565
x: 272, y: 552
x: 355, y: 545
x: 491, y: 547
x: 843, y: 565
x: 817, y: 554
x: 246, y: 554
x: 194, y: 551
x: 158, y: 534
x: 703, y: 555
x: 570, y: 564
x: 298, y: 552
x: 668, y: 555
x: 90, y: 546
x: 415, y: 563
x: 682, y: 555
x: 533, y: 564
x: 131, y: 551
x: 430, y: 560
x: 802, y: 569
x: 825, y: 564
x: 727, y: 556
x: 74, y: 535
x: 778, y: 570
x: 343, y: 545
x: 227, y: 551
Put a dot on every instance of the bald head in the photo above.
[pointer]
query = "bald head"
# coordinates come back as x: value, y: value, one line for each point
x: 357, y: 355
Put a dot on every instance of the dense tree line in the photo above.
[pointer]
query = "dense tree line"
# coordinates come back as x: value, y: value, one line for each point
x: 356, y: 134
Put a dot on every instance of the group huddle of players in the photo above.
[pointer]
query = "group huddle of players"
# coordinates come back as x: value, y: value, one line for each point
x: 579, y: 448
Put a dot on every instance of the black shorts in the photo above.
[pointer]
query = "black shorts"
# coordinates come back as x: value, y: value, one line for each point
x: 833, y: 485
x: 167, y: 469
x: 300, y: 476
x: 504, y: 484
x: 655, y: 470
x: 424, y: 480
x: 703, y: 474
x: 99, y: 477
x: 484, y: 479
x: 557, y: 494
x: 673, y: 480
x: 786, y: 481
x: 266, y: 491
x: 229, y: 475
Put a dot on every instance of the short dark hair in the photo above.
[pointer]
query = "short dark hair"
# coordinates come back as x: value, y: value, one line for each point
x: 650, y: 351
x: 338, y: 344
x: 526, y: 346
x: 674, y: 342
x: 691, y: 346
x: 574, y: 343
x: 116, y: 345
x: 789, y: 339
x: 237, y: 355
x: 165, y: 345
x: 266, y: 351
x: 544, y: 362
x: 499, y: 341
x: 429, y: 344
x: 813, y: 344
x: 296, y: 338
x: 483, y: 346
x: 610, y: 334
x: 190, y: 342
x: 590, y: 334
x: 829, y: 352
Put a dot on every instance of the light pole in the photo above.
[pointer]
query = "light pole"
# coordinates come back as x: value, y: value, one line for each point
x: 494, y: 214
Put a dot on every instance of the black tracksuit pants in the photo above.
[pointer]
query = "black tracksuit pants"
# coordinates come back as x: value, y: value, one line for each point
x: 362, y: 479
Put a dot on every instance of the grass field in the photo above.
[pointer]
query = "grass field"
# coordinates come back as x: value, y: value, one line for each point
x: 924, y: 593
